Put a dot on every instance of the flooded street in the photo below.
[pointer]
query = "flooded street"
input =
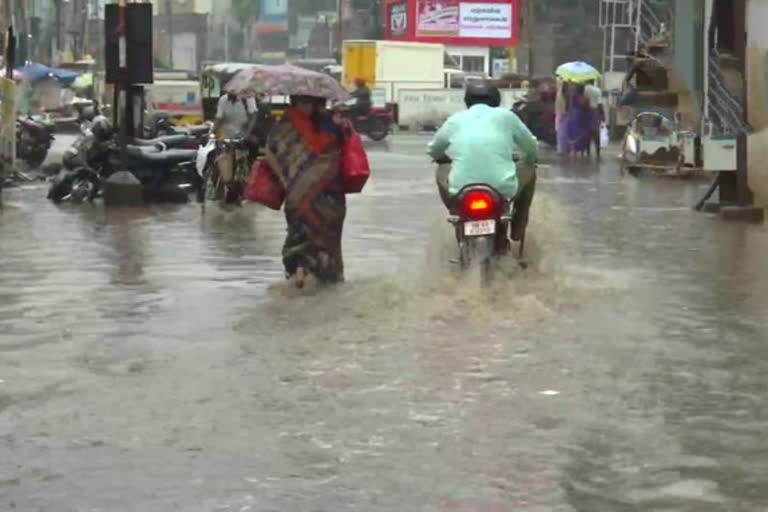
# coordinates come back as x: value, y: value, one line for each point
x: 154, y: 360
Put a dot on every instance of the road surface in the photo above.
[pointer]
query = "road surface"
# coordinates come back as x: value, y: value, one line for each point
x: 154, y: 359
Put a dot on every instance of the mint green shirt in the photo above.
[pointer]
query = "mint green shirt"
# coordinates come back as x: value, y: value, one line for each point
x: 481, y: 141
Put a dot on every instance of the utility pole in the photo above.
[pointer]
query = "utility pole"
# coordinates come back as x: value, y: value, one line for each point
x: 226, y: 39
x: 169, y: 19
x: 530, y: 32
x: 341, y: 13
x: 58, y: 39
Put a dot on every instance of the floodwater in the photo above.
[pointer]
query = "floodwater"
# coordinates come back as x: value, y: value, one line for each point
x: 153, y: 360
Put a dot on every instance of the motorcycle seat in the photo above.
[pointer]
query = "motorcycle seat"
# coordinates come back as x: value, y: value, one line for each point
x: 194, y: 131
x: 138, y: 151
x: 169, y: 140
x: 167, y: 158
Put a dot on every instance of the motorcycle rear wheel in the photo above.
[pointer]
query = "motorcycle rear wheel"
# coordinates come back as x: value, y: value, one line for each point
x: 478, y: 252
x: 378, y: 130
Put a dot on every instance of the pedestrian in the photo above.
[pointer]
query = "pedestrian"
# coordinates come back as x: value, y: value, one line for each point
x: 561, y: 121
x: 579, y: 122
x: 304, y: 154
x: 595, y: 97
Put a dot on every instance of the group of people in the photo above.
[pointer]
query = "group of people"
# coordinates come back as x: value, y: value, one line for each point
x: 578, y: 116
x: 304, y: 155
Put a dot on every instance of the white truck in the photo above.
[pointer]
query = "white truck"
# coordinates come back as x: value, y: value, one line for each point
x: 390, y: 66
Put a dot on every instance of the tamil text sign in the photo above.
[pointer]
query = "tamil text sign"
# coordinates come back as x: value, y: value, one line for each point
x: 492, y: 21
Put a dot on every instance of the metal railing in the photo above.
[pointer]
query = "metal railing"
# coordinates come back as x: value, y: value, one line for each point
x: 726, y: 111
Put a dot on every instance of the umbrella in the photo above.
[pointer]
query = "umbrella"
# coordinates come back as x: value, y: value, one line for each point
x: 286, y: 80
x: 577, y: 71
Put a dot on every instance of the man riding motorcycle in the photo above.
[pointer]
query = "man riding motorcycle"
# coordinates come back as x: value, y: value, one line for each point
x: 476, y: 146
x: 362, y: 95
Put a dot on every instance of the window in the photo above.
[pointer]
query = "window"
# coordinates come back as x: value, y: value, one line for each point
x: 452, y: 61
x: 473, y: 64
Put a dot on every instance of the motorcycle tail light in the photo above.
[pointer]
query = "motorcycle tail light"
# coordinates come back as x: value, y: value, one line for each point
x: 478, y: 204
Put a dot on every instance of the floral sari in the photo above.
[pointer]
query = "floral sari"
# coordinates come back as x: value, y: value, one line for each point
x: 303, y: 154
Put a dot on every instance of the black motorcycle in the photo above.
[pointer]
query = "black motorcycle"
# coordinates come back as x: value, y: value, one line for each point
x: 167, y: 175
x: 34, y: 137
x: 159, y: 125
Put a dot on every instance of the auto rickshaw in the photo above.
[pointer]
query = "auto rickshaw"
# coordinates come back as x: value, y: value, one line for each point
x: 656, y: 144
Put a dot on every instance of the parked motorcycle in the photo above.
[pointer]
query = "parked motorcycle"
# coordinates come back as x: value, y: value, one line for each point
x: 34, y: 137
x: 160, y: 125
x: 175, y: 141
x: 168, y: 175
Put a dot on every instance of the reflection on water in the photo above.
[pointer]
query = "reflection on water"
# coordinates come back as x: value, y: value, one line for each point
x: 156, y: 357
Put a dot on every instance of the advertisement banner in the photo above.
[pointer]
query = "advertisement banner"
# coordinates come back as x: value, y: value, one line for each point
x: 489, y: 21
x: 398, y: 19
x: 7, y: 123
x: 273, y: 16
x: 437, y: 18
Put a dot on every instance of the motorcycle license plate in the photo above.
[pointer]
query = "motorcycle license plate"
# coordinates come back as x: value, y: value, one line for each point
x: 479, y: 227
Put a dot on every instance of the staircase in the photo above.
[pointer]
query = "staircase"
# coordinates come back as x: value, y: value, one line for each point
x: 658, y: 86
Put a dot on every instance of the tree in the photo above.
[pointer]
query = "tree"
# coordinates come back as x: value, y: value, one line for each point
x: 247, y: 13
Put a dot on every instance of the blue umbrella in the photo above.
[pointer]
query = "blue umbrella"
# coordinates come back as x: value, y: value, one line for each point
x: 36, y: 72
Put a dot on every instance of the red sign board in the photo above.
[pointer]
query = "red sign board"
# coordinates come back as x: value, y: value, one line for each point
x: 455, y: 22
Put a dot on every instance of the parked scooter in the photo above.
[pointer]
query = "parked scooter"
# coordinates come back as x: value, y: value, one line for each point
x: 34, y: 137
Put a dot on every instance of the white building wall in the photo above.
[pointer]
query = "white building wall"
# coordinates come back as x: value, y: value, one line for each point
x: 757, y: 98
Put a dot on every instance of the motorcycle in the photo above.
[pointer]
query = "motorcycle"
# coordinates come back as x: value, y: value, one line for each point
x: 34, y: 137
x: 161, y: 126
x: 482, y: 220
x: 167, y: 174
x: 175, y: 141
x: 376, y: 124
x: 76, y: 181
x: 223, y: 167
x: 539, y: 118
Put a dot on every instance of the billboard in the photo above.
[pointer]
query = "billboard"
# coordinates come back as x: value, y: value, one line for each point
x: 455, y: 22
x: 273, y: 16
x: 437, y: 18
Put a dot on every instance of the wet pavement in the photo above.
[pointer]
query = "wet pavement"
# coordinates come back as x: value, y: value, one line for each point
x: 154, y: 360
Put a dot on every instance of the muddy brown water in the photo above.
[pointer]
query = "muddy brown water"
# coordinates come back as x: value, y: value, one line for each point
x: 154, y: 360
